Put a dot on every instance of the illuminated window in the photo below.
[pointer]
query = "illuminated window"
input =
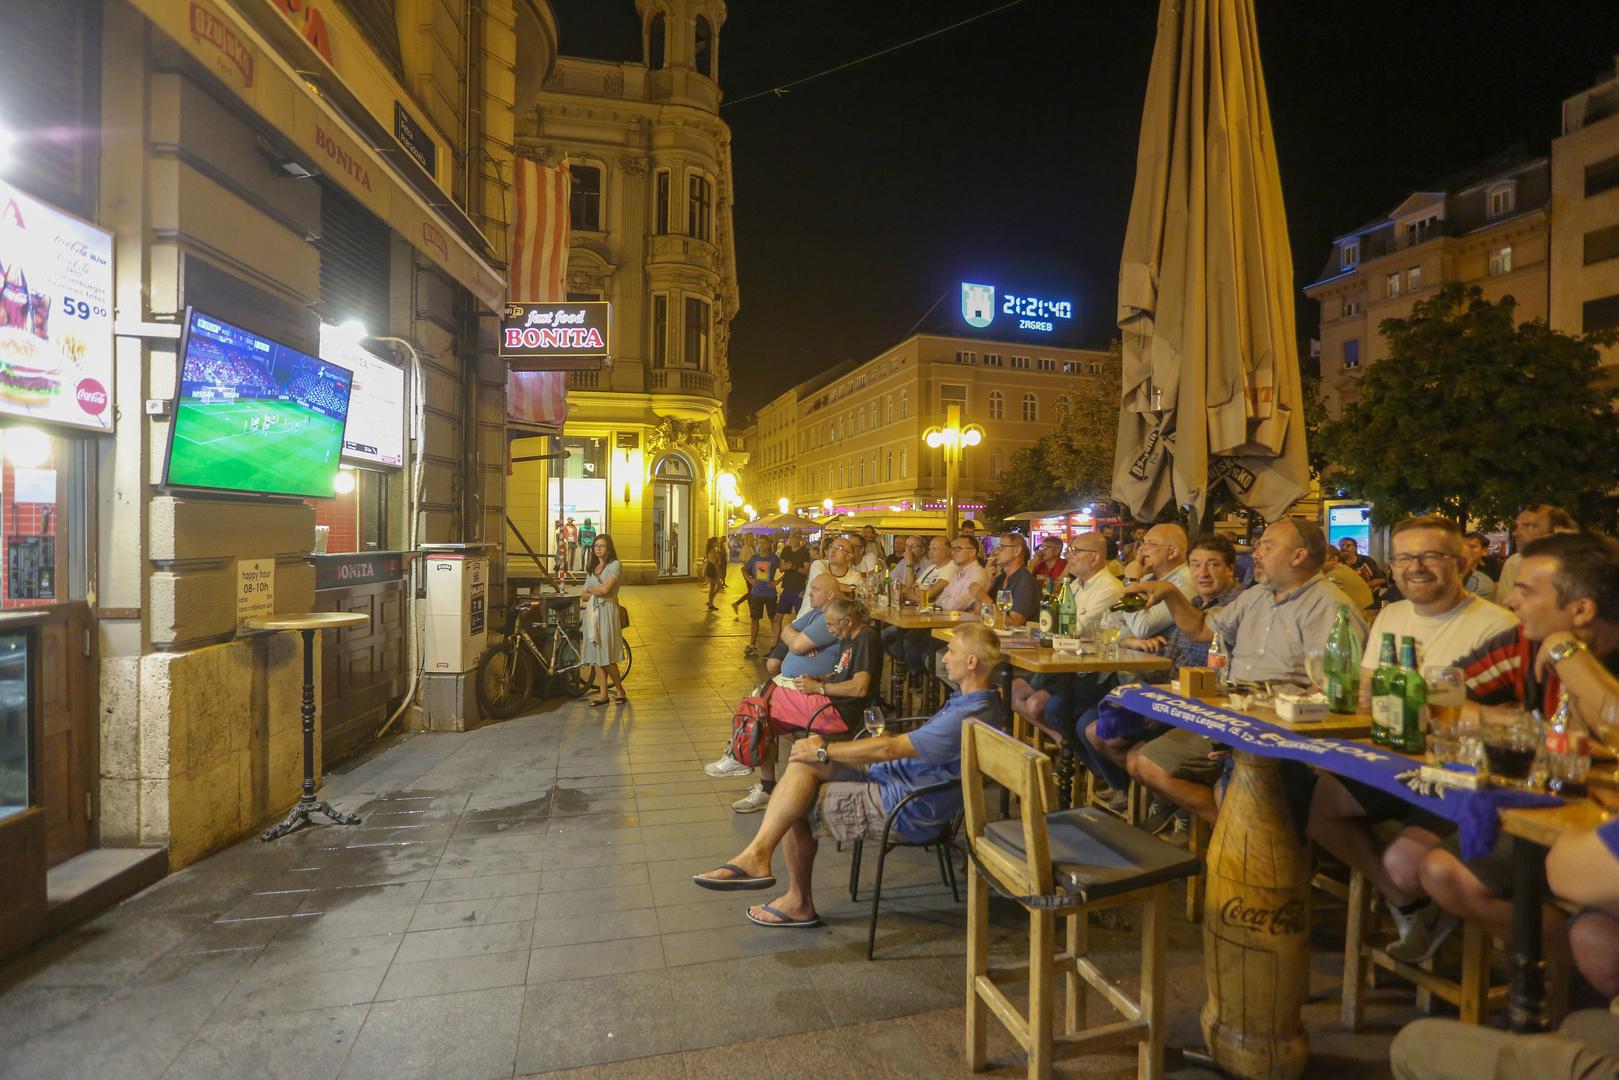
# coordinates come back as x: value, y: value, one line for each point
x: 696, y: 354
x: 997, y: 405
x: 1503, y: 199
x: 699, y: 200
x: 1413, y: 279
x: 1501, y: 257
x: 1349, y: 255
x: 1031, y: 408
x: 1393, y: 284
x: 1352, y: 353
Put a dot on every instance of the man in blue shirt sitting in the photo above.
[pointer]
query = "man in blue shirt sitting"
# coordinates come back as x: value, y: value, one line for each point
x: 845, y: 790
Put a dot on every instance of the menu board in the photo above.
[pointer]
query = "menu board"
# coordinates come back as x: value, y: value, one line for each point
x: 56, y: 342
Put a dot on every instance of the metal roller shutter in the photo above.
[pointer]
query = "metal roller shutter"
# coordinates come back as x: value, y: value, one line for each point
x: 354, y: 256
x: 49, y: 71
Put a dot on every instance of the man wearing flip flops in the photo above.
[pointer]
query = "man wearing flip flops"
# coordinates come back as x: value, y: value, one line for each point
x: 845, y: 790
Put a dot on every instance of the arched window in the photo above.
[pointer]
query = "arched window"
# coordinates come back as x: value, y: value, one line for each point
x: 997, y: 405
x: 655, y: 42
x: 703, y: 52
x: 862, y: 469
x: 904, y: 404
x: 888, y: 409
x: 904, y: 462
x: 1031, y: 408
x: 889, y: 471
x: 585, y: 198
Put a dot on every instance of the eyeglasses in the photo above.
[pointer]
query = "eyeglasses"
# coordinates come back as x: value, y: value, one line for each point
x: 1426, y: 558
x: 961, y: 547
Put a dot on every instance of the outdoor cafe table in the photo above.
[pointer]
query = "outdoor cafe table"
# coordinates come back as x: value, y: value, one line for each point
x: 1044, y: 660
x: 1256, y: 868
x: 912, y: 617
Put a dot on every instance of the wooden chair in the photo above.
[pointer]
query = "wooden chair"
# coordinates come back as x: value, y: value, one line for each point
x: 1066, y: 864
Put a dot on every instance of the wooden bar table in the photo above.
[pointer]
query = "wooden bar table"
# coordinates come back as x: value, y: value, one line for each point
x: 913, y: 617
x: 1532, y: 832
x: 306, y: 624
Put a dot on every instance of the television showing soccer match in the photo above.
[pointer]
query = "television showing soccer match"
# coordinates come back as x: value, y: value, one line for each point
x: 253, y: 415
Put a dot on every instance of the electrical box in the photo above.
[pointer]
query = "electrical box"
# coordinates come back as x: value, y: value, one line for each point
x: 457, y: 611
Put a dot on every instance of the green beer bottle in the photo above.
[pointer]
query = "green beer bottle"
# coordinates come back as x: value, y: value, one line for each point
x: 1342, y: 665
x: 1131, y: 602
x: 1065, y: 609
x: 1385, y: 701
x: 1048, y: 611
x: 1413, y: 701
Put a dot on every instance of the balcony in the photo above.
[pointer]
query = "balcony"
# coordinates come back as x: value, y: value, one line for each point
x: 673, y: 249
x: 683, y: 381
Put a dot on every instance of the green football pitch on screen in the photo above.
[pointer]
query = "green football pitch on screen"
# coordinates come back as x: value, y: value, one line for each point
x: 278, y: 447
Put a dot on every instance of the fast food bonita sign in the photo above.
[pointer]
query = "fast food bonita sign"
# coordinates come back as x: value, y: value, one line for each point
x: 556, y: 337
x: 56, y: 338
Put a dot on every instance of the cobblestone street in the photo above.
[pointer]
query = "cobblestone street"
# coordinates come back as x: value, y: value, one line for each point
x: 516, y: 902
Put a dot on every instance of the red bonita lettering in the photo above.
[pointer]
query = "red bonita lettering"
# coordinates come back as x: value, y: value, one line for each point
x: 210, y: 28
x: 342, y: 158
x: 553, y: 338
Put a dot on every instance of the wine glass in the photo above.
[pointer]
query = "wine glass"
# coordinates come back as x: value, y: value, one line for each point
x: 874, y: 721
x: 1315, y: 666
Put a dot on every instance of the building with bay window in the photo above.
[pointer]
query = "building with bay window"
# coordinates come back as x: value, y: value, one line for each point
x: 646, y: 452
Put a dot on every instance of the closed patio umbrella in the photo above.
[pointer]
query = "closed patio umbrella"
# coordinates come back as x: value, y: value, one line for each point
x: 1211, y: 391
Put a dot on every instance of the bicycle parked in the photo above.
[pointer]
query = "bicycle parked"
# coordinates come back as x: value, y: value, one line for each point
x: 511, y: 671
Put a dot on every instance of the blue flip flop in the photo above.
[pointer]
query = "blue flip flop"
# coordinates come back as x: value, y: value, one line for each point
x: 785, y: 923
x: 733, y: 884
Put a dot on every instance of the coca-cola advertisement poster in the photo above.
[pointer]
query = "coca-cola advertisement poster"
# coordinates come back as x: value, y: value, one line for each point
x: 55, y: 314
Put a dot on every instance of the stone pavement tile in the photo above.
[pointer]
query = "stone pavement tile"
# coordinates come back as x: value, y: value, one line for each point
x: 110, y: 950
x: 265, y: 905
x: 480, y: 888
x: 602, y: 855
x: 498, y: 806
x: 465, y: 1036
x: 249, y: 934
x: 596, y: 926
x: 613, y: 957
x: 618, y: 801
x: 591, y: 822
x: 466, y: 866
x: 661, y: 1067
x: 707, y: 996
x: 426, y: 978
x: 741, y: 826
x: 812, y: 1055
x: 473, y: 847
x: 480, y: 827
x: 596, y: 1020
x: 889, y: 1050
x: 380, y: 867
x: 309, y: 1045
x: 676, y: 802
x: 556, y: 905
x: 699, y: 915
x: 364, y: 897
x: 340, y: 925
x: 449, y: 913
x: 464, y: 941
x: 738, y: 1061
x: 390, y: 833
x: 679, y: 860
x: 298, y: 991
x: 593, y: 877
x: 578, y: 838
x: 705, y: 811
x: 855, y: 989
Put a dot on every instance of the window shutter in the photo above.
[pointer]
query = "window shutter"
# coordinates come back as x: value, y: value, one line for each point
x: 354, y: 258
x: 49, y: 69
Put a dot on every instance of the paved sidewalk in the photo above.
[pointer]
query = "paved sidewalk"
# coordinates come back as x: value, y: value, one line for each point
x: 516, y: 902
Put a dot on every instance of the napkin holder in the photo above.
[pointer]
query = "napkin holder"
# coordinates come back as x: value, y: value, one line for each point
x: 1198, y: 682
x: 1301, y: 706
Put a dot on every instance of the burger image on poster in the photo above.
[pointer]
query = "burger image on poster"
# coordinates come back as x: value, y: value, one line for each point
x: 55, y: 317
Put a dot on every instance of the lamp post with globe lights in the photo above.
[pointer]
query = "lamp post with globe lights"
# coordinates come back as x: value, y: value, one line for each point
x: 953, y: 438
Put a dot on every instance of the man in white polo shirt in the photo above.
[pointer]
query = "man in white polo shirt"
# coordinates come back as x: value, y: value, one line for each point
x: 1448, y: 623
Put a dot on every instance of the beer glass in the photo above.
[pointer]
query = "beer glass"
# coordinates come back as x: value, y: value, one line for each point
x: 1511, y: 740
x: 1447, y: 693
x: 1108, y: 635
x: 1315, y: 666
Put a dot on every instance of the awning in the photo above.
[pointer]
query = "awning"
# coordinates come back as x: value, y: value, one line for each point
x: 225, y: 41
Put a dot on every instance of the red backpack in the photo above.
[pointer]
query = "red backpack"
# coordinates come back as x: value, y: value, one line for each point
x: 751, y: 728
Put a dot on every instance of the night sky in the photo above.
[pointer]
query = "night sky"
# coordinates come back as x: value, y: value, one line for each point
x: 1004, y: 151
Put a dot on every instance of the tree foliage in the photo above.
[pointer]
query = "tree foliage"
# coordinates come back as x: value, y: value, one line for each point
x: 1072, y: 464
x: 1474, y: 416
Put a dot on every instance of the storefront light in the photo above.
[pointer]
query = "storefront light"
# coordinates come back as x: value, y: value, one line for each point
x: 345, y: 480
x: 750, y: 511
x: 782, y: 504
x: 826, y: 504
x: 350, y: 332
x: 26, y: 447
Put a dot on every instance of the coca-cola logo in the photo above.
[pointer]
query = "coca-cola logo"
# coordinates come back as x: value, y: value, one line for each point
x: 92, y: 396
x: 1288, y: 918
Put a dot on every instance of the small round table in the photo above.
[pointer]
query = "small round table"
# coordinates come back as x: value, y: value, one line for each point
x: 307, y: 623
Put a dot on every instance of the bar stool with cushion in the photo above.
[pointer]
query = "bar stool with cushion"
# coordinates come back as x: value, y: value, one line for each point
x: 1065, y: 863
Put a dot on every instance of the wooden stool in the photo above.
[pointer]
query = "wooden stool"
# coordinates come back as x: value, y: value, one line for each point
x: 1063, y: 864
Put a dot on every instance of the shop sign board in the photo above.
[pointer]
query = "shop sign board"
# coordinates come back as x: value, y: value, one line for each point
x: 571, y: 336
x: 56, y: 339
x: 414, y: 138
x: 255, y: 590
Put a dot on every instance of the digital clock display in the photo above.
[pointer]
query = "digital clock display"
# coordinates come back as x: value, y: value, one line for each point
x: 982, y: 304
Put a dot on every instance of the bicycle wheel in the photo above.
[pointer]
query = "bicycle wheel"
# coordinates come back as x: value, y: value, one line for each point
x: 623, y: 668
x: 576, y: 677
x: 505, y: 679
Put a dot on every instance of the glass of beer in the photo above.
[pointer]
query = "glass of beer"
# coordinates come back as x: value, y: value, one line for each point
x: 1511, y: 740
x: 1108, y: 635
x: 1447, y: 693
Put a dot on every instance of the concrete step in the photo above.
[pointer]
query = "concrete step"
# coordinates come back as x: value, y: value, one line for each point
x: 93, y: 881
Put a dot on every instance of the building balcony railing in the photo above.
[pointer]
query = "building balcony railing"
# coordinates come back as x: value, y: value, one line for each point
x: 675, y: 249
x: 683, y: 381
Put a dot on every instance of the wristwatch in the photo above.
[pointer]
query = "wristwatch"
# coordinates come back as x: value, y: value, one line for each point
x: 822, y: 756
x: 1565, y: 649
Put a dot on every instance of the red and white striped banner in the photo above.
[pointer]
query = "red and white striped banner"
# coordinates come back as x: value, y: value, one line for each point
x: 538, y: 273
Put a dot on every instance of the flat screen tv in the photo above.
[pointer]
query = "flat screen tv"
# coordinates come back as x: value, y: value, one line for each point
x: 375, y: 432
x: 253, y: 415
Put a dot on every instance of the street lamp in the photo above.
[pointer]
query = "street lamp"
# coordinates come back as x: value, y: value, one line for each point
x: 782, y: 504
x: 953, y: 439
x: 826, y: 504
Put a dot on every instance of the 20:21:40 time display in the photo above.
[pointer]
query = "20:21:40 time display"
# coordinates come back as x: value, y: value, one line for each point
x: 1035, y: 308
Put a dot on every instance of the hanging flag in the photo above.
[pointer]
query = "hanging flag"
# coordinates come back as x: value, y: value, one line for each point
x: 538, y: 273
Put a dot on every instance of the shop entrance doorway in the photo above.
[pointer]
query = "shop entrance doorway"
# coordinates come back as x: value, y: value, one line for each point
x: 671, y: 516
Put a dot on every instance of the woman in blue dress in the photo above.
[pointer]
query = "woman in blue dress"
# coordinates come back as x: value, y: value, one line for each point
x: 603, y: 630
